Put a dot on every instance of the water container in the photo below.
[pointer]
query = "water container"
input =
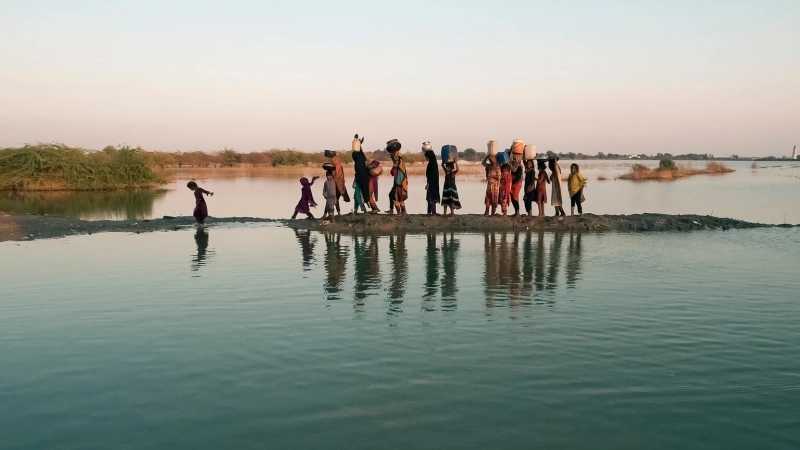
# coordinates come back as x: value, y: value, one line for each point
x: 393, y: 146
x: 356, y: 145
x: 376, y: 171
x: 530, y: 151
x: 328, y: 166
x: 449, y: 154
x: 330, y: 153
x: 492, y: 148
x: 426, y: 146
x: 502, y: 158
x: 517, y: 146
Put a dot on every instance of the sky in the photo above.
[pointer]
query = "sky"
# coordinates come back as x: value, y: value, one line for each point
x: 719, y: 77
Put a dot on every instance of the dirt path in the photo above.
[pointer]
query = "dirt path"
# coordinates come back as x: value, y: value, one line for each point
x: 23, y: 227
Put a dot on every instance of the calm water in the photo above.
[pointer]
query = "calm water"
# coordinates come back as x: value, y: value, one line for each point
x: 768, y: 194
x: 265, y: 337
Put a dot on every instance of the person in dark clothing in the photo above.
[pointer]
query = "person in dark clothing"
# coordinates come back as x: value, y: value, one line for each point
x: 200, y: 207
x: 432, y: 186
x: 363, y: 178
x: 516, y: 185
x: 306, y: 199
x: 530, y: 186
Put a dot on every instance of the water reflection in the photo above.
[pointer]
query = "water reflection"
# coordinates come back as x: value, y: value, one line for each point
x: 519, y: 269
x: 367, y: 270
x: 307, y: 243
x: 397, y: 285
x: 431, y: 274
x: 573, y: 260
x: 450, y: 246
x: 86, y: 205
x: 335, y: 265
x: 201, y: 240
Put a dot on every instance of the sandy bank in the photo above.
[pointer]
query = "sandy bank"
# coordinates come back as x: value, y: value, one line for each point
x: 25, y: 227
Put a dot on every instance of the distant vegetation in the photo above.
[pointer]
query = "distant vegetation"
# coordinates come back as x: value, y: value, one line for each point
x: 48, y: 167
x: 668, y: 170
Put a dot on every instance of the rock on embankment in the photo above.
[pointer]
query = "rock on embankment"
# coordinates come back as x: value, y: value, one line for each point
x: 468, y: 222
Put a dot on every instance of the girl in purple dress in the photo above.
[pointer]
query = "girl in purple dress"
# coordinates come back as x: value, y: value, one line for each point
x: 200, y: 208
x: 306, y: 199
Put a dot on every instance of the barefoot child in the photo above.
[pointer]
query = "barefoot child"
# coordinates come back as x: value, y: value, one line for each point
x: 330, y: 194
x: 450, y: 192
x: 306, y: 199
x: 200, y: 207
x: 541, y: 188
x: 505, y: 188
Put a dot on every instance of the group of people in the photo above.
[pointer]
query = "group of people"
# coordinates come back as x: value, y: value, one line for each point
x: 505, y: 183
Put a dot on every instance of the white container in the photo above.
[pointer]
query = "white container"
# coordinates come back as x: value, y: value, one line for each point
x: 530, y: 151
x: 492, y: 147
x: 356, y: 145
x: 426, y: 147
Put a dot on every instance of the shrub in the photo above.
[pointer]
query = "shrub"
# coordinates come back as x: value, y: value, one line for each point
x: 58, y: 167
x: 667, y: 164
x: 288, y: 158
x: 229, y: 157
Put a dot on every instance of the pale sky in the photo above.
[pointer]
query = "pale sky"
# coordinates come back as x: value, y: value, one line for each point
x: 624, y: 77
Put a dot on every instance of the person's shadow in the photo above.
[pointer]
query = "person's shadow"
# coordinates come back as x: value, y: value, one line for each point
x: 201, y: 239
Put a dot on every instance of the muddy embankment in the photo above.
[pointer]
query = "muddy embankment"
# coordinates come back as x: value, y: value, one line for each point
x: 25, y: 227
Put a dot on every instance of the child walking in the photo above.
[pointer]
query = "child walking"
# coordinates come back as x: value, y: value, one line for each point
x: 306, y: 199
x: 450, y: 191
x: 200, y: 208
x: 576, y: 182
x: 530, y: 186
x: 541, y: 188
x: 505, y: 188
x: 329, y: 193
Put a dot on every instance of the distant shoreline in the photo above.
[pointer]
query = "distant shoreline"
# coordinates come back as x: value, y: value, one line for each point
x: 27, y: 227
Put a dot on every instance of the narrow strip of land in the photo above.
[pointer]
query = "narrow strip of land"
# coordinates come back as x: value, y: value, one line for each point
x: 25, y: 227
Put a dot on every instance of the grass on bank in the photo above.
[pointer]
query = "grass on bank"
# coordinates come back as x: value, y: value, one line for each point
x: 668, y: 170
x: 53, y: 167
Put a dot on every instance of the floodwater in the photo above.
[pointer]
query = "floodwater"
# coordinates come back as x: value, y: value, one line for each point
x: 265, y: 337
x: 768, y: 194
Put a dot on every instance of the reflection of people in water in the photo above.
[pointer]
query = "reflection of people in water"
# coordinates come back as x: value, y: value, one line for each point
x: 367, y: 269
x: 335, y: 264
x: 431, y: 273
x: 450, y: 246
x: 573, y: 259
x: 201, y: 239
x: 399, y: 256
x: 306, y: 247
x: 491, y: 275
x: 555, y: 260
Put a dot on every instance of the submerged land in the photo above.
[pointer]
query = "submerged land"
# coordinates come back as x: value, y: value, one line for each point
x: 26, y: 227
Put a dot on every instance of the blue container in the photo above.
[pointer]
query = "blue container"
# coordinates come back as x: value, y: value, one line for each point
x: 503, y: 158
x: 449, y: 154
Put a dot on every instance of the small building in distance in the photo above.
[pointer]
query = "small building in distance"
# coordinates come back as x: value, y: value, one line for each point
x: 634, y: 157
